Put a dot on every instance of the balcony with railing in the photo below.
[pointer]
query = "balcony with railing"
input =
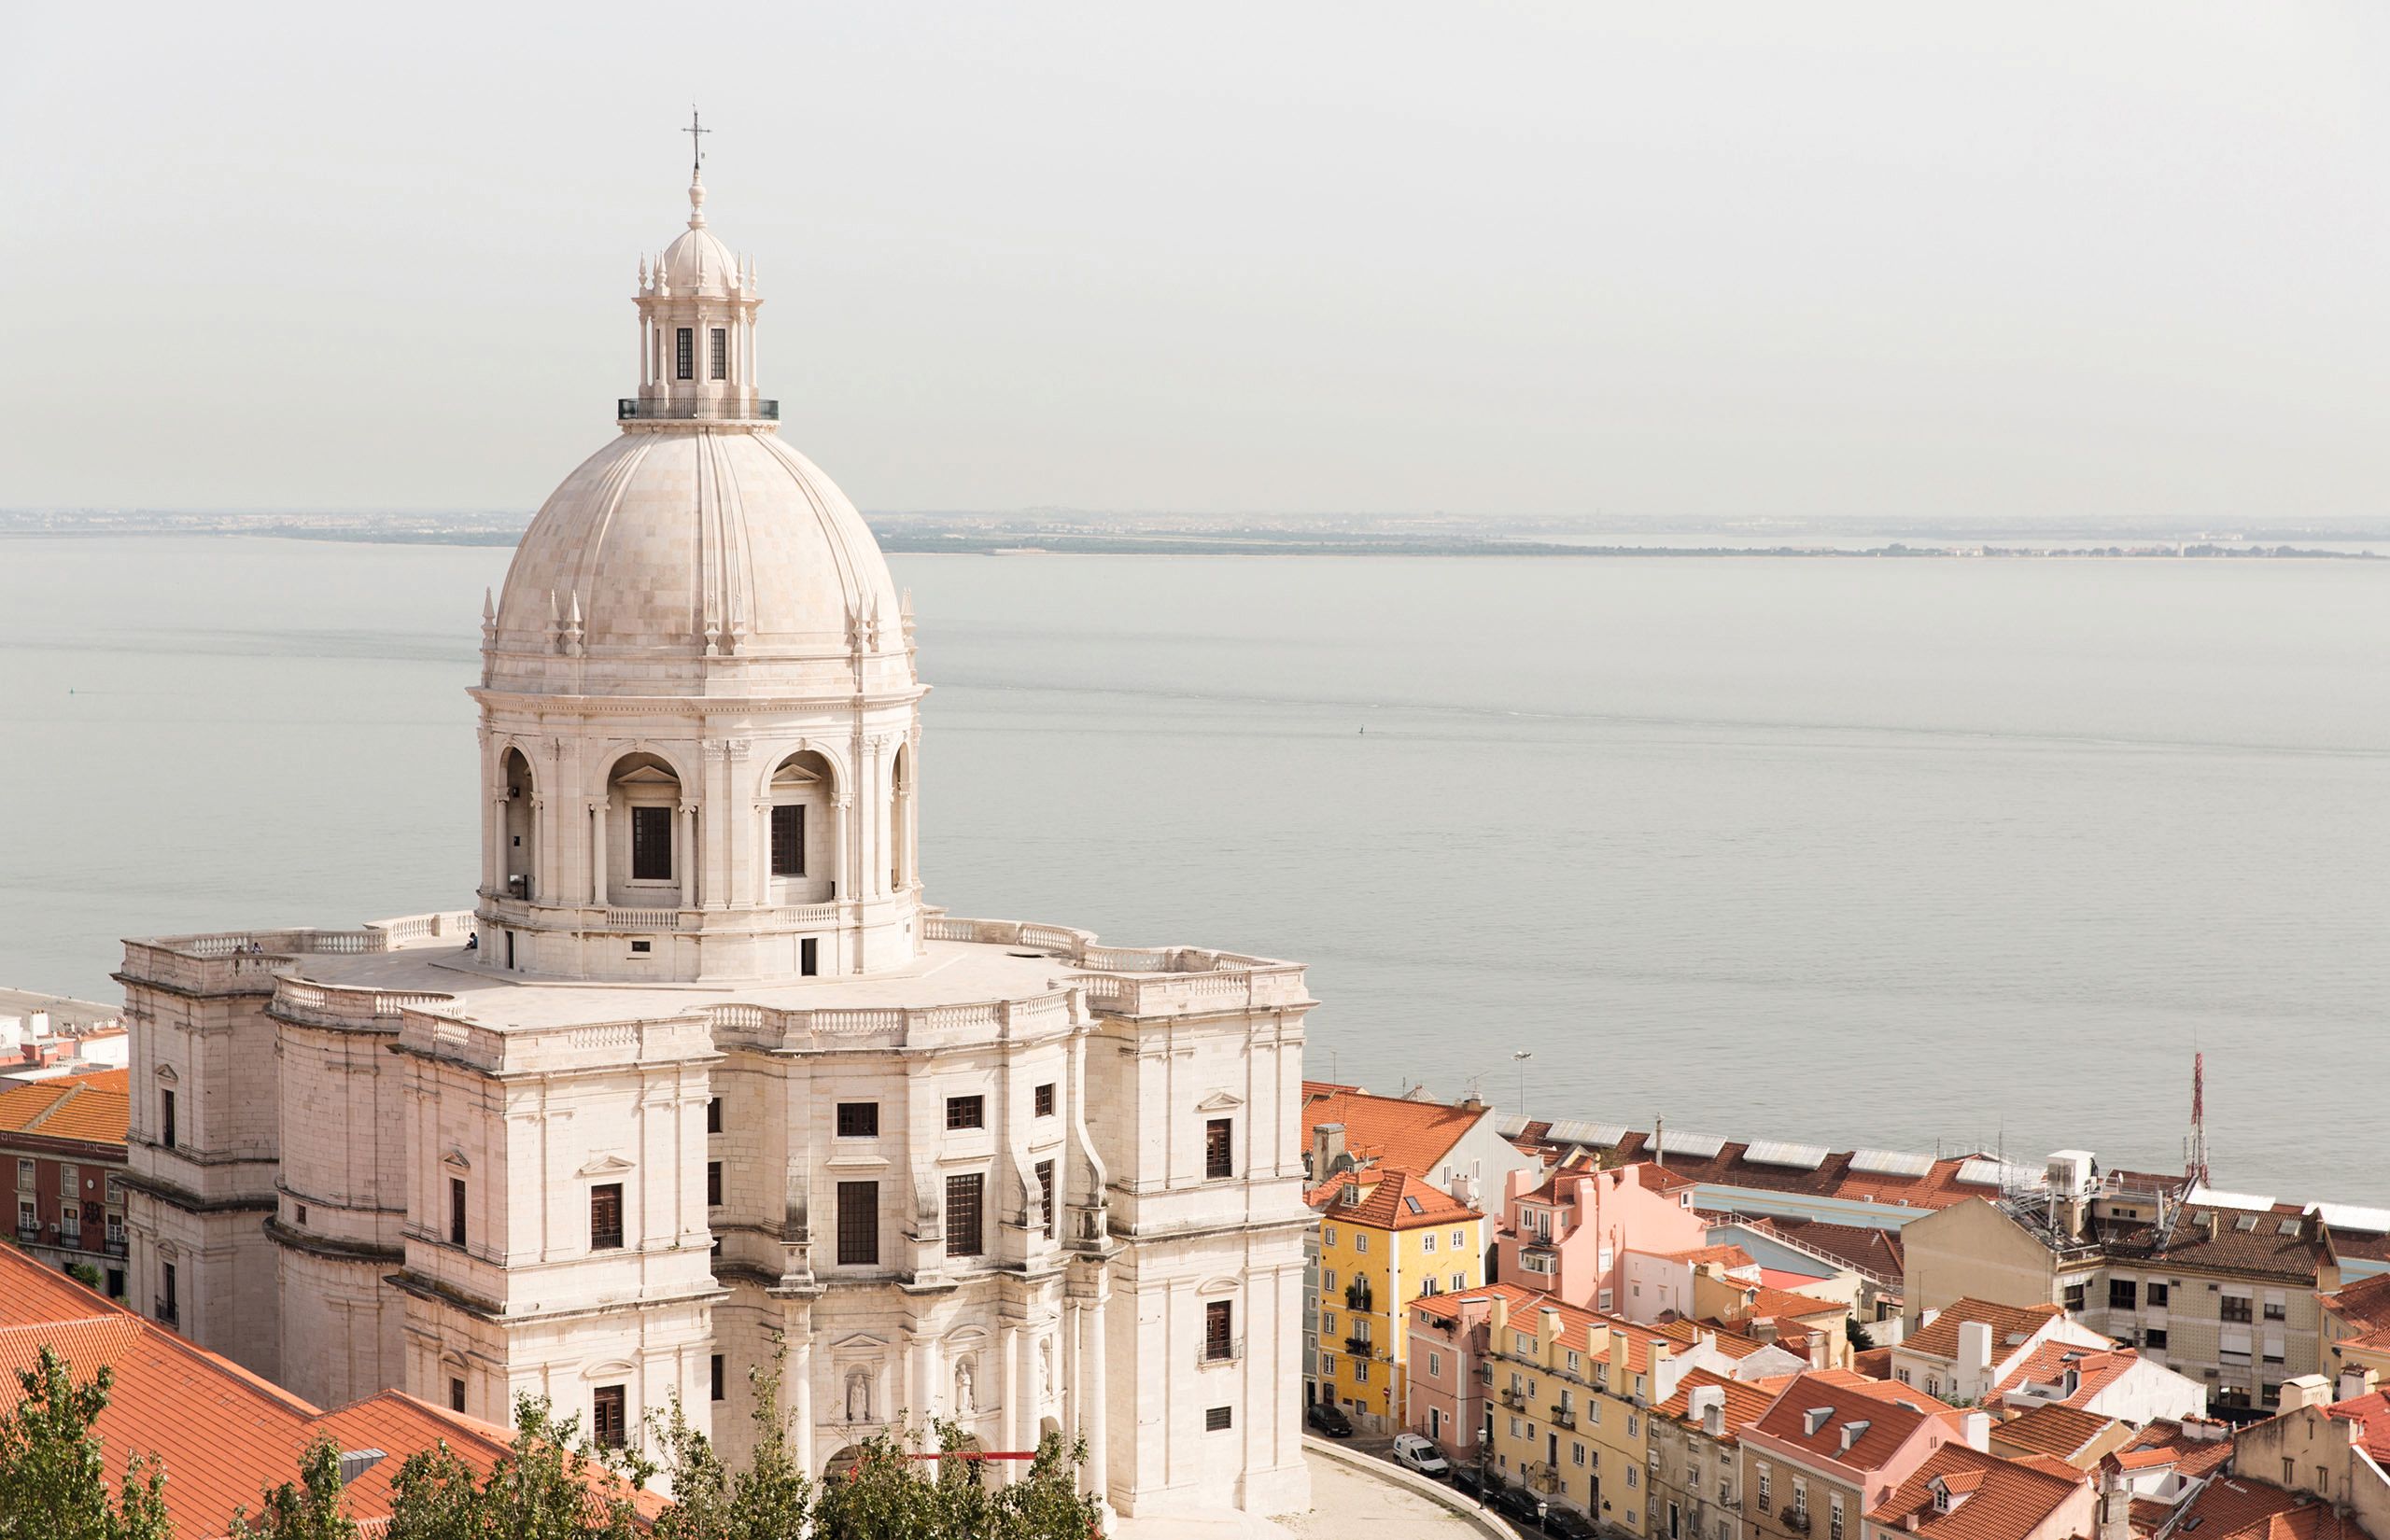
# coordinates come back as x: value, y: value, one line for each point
x: 1361, y: 1346
x: 1564, y: 1415
x: 168, y: 1313
x: 1795, y: 1517
x: 1217, y: 1350
x: 628, y: 408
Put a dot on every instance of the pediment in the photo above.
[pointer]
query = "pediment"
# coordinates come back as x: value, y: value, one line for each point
x: 454, y: 1160
x: 166, y: 1074
x: 603, y: 1165
x: 1219, y: 1101
x: 647, y: 775
x: 794, y: 775
x: 1220, y: 1285
x: 859, y: 1342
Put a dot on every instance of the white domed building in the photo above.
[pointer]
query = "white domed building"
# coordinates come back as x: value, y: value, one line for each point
x: 700, y: 1068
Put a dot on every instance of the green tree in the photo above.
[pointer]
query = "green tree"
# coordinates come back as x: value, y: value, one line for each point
x: 310, y: 1508
x: 770, y: 1500
x: 52, y: 1486
x: 549, y: 1485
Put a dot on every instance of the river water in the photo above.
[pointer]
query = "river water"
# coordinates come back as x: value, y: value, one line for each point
x: 1899, y: 852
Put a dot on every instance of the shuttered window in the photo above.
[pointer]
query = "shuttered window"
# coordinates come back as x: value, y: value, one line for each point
x: 606, y: 1217
x: 608, y: 1421
x: 1217, y: 1161
x: 859, y: 1223
x: 1219, y: 1330
x: 788, y: 840
x: 721, y: 353
x: 1046, y: 1195
x: 684, y: 355
x: 962, y: 1195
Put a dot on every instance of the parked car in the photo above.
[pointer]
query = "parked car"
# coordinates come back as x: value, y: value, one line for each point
x: 1415, y: 1451
x: 1569, y: 1524
x: 1464, y: 1480
x: 1518, y: 1502
x: 1329, y: 1418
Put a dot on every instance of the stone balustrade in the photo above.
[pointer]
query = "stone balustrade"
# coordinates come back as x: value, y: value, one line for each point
x: 784, y: 1029
x: 1148, y: 981
x: 343, y: 1006
x: 245, y: 961
x: 581, y: 1045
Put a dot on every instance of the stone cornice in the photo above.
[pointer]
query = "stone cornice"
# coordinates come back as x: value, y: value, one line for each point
x: 329, y: 1247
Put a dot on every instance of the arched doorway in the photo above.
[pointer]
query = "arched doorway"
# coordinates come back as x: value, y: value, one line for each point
x: 800, y: 836
x: 900, y: 822
x: 518, y: 843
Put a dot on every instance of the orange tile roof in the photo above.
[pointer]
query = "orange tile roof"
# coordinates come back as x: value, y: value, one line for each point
x: 2173, y: 1443
x: 2095, y: 1368
x: 2011, y: 1327
x: 1731, y: 1255
x: 1766, y: 1303
x: 224, y: 1435
x: 1892, y: 1419
x: 2371, y: 1415
x: 1745, y: 1403
x: 2226, y: 1508
x: 1389, y: 1130
x: 2001, y: 1499
x: 91, y: 1108
x: 2061, y: 1430
x: 2365, y: 1304
x: 1392, y: 1200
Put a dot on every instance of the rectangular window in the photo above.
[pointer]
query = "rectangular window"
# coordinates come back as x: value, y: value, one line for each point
x: 1216, y: 1420
x: 1763, y: 1488
x: 1044, y: 1099
x: 715, y: 1371
x: 650, y: 845
x: 606, y: 1217
x: 963, y: 1211
x: 70, y: 1222
x: 685, y: 349
x: 858, y: 1120
x: 2073, y: 1297
x: 169, y: 1307
x: 1046, y: 1195
x: 25, y: 1175
x: 2156, y: 1297
x: 166, y: 1118
x: 29, y: 1216
x: 1218, y: 1160
x: 721, y: 361
x: 608, y: 1423
x: 808, y: 958
x: 2121, y: 1294
x: 2238, y: 1308
x: 1427, y: 1241
x: 788, y: 840
x: 456, y: 1395
x: 965, y: 1112
x: 1833, y: 1516
x: 1219, y: 1330
x: 859, y: 1223
x: 713, y: 1116
x: 713, y: 1184
x: 2276, y: 1310
x: 455, y: 1210
x: 2155, y: 1337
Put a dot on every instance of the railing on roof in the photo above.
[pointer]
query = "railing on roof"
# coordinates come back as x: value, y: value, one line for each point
x: 628, y: 407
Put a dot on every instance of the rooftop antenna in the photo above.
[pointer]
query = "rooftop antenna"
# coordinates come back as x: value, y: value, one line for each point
x: 2195, y: 1168
x: 696, y: 147
x: 1660, y: 1142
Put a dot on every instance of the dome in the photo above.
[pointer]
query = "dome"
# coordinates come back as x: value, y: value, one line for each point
x: 683, y: 547
x: 696, y: 262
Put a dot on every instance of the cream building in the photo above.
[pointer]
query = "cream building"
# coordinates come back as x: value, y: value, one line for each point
x: 700, y: 1066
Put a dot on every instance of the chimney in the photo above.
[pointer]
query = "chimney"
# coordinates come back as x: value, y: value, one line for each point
x: 1764, y: 1331
x: 2356, y: 1383
x: 1498, y: 1316
x: 2211, y: 1223
x: 1974, y: 1356
x: 2305, y: 1390
x: 1621, y: 1374
x: 1976, y: 1429
x: 2116, y: 1507
x: 1471, y: 1103
x: 1326, y: 1149
x: 1547, y: 1331
x: 1709, y: 1404
x: 2204, y: 1430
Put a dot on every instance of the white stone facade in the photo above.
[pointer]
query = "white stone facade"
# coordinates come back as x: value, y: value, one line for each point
x: 701, y: 1070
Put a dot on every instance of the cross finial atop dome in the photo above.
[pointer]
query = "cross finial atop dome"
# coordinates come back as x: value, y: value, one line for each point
x: 696, y: 170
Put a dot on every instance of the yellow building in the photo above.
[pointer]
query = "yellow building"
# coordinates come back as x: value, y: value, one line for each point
x: 1571, y: 1392
x: 1386, y: 1238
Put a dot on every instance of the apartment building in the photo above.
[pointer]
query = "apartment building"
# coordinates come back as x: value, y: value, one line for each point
x: 1386, y: 1238
x: 1834, y: 1445
x: 1694, y: 1488
x: 1570, y: 1233
x: 1965, y: 1493
x: 2332, y: 1449
x: 63, y: 1142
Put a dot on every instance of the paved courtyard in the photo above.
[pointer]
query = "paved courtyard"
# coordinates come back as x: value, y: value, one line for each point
x: 1346, y: 1503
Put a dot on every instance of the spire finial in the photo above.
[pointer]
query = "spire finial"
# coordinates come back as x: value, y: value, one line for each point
x: 696, y: 169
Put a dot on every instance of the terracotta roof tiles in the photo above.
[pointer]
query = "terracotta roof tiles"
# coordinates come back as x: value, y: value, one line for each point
x: 1393, y: 1131
x: 2061, y: 1431
x: 1999, y: 1499
x: 2011, y: 1325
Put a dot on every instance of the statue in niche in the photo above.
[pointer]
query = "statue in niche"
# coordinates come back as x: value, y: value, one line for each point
x: 966, y: 1393
x: 1046, y: 1367
x: 859, y: 1396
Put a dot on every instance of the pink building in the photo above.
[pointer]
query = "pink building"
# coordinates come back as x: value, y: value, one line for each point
x: 1567, y: 1232
x: 1447, y: 1395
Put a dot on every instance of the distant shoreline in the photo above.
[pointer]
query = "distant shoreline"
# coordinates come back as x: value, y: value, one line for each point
x: 901, y: 543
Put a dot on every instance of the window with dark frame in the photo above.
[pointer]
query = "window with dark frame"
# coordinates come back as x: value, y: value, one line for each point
x: 684, y: 355
x: 1219, y: 1330
x: 713, y: 1184
x: 170, y: 1306
x: 966, y: 1112
x: 2157, y: 1295
x: 1217, y: 1160
x: 455, y: 1210
x: 859, y: 1223
x: 2122, y: 1293
x: 713, y: 1114
x: 166, y: 1118
x: 721, y: 370
x: 608, y: 1423
x: 1046, y: 1195
x: 788, y: 839
x: 716, y: 1372
x: 858, y: 1120
x: 606, y: 1217
x: 650, y: 845
x: 1044, y: 1099
x: 1216, y: 1420
x: 2237, y: 1307
x: 962, y: 1195
x: 808, y: 958
x: 456, y: 1396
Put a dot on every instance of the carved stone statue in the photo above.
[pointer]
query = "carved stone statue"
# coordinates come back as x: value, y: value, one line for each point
x: 966, y: 1393
x: 859, y: 1396
x: 1045, y: 1367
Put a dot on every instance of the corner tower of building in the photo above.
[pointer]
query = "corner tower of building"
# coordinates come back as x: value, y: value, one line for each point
x: 699, y: 716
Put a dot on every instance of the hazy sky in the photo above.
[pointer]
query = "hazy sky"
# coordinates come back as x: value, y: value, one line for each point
x: 1652, y: 260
